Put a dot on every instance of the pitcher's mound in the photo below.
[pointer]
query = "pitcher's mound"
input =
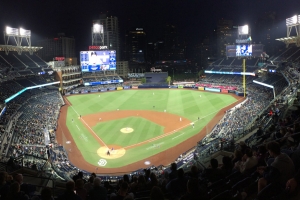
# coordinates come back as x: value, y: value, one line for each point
x: 126, y: 130
x: 114, y: 152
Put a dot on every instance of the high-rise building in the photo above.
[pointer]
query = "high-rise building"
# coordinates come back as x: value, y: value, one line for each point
x: 60, y: 46
x: 136, y: 45
x: 173, y: 49
x: 225, y: 35
x: 110, y: 32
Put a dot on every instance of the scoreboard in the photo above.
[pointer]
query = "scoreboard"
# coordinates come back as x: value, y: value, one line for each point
x: 98, y: 60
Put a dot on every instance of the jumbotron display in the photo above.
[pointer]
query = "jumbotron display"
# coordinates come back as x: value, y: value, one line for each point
x: 243, y: 50
x: 254, y: 50
x: 98, y: 60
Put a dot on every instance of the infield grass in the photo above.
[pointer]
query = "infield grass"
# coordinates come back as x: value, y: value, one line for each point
x: 110, y: 133
x: 186, y: 103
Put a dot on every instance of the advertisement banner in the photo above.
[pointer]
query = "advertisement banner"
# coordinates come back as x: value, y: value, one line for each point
x: 134, y: 87
x: 173, y: 86
x: 111, y: 89
x: 103, y: 90
x: 212, y: 89
x: 231, y: 91
x: 224, y: 91
x: 200, y: 88
x: 119, y: 88
x: 126, y: 87
x: 180, y: 86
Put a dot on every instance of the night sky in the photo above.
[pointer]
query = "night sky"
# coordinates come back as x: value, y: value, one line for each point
x: 194, y: 18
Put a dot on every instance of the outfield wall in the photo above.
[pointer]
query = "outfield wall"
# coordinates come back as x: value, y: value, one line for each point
x: 217, y: 89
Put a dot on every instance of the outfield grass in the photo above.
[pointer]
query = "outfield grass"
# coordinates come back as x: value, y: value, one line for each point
x: 186, y: 103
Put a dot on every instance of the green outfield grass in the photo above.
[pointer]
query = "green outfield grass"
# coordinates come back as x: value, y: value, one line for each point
x: 186, y: 103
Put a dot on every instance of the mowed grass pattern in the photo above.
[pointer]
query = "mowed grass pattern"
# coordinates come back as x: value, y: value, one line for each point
x: 185, y: 103
x: 110, y: 132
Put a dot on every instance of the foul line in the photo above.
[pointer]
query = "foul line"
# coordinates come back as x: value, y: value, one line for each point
x: 88, y: 126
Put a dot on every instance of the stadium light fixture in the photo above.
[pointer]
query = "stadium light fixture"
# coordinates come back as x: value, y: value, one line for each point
x: 24, y: 32
x: 243, y: 30
x: 11, y: 31
x: 97, y: 28
x: 295, y: 20
x: 8, y: 29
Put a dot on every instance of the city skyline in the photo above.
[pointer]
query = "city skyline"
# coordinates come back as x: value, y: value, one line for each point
x: 193, y: 19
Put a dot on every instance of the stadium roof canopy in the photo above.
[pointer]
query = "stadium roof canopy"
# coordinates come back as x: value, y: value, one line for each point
x: 19, y: 49
x: 290, y: 40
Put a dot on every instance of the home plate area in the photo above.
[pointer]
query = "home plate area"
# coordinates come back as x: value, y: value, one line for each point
x: 111, y: 152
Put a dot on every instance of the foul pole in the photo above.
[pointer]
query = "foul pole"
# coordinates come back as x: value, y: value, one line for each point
x: 244, y: 76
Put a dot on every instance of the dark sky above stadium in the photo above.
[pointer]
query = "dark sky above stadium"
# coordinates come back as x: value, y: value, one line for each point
x: 46, y: 18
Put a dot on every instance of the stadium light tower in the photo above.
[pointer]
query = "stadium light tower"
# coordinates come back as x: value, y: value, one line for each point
x: 97, y: 34
x: 17, y: 35
x: 11, y: 32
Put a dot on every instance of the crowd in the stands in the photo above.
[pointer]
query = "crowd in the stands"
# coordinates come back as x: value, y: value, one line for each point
x: 259, y: 167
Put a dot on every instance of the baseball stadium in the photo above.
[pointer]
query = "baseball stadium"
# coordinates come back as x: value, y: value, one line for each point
x: 220, y: 129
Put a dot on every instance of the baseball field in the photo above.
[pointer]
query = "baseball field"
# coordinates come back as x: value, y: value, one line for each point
x: 125, y: 130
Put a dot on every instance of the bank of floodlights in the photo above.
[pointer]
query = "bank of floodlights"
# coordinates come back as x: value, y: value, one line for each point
x: 24, y: 33
x: 17, y: 32
x: 292, y: 21
x: 11, y: 31
x: 97, y: 28
x: 243, y: 30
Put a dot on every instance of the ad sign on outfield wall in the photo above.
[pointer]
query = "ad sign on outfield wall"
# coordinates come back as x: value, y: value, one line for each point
x: 212, y: 89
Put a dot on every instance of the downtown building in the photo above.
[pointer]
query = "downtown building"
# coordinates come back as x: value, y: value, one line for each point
x: 225, y: 35
x: 135, y: 50
x: 111, y: 35
x: 60, y: 46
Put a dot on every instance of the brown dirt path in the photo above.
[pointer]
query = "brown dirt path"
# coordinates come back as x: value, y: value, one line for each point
x: 162, y: 158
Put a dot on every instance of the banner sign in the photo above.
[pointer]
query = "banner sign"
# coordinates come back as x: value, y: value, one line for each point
x: 212, y: 89
x: 231, y: 91
x: 180, y: 86
x: 200, y: 88
x: 126, y: 87
x: 103, y: 90
x: 119, y: 88
x: 134, y: 87
x: 111, y: 89
x: 224, y: 91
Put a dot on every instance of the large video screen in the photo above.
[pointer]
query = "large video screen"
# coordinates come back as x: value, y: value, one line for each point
x: 244, y: 50
x: 256, y: 50
x: 98, y: 60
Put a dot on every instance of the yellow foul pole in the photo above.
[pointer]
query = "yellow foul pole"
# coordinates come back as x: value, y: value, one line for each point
x: 244, y: 76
